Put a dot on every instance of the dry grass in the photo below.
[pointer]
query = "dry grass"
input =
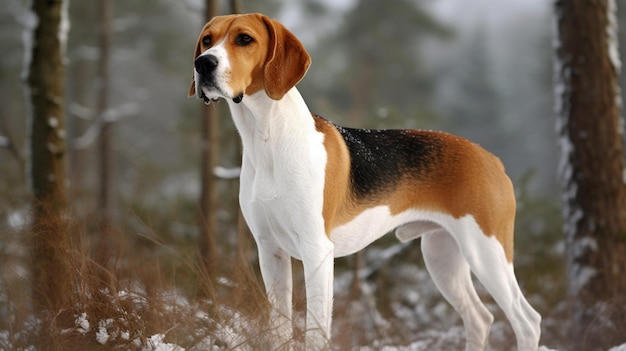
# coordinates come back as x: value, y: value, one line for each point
x: 121, y: 291
x: 131, y: 287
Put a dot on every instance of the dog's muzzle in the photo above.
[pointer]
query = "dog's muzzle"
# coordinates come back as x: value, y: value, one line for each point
x: 206, y: 66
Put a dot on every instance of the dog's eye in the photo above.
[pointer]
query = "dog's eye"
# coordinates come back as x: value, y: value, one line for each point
x: 206, y: 40
x: 243, y: 39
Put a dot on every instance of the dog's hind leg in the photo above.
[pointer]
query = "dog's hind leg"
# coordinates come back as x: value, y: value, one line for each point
x: 489, y: 264
x: 451, y: 274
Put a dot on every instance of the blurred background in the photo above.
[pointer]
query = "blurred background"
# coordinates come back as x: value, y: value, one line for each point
x: 480, y: 69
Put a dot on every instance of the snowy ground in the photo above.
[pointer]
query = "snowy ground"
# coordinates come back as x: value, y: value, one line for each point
x: 435, y: 325
x: 413, y: 318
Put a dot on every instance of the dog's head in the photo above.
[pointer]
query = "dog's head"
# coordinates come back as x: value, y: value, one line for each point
x: 242, y: 54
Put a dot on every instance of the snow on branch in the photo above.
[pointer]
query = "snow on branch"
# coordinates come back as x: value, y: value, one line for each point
x: 80, y: 111
x: 29, y: 22
x: 612, y: 33
x: 4, y: 141
x: 226, y: 173
x: 115, y: 114
x: 88, y: 137
x: 109, y: 116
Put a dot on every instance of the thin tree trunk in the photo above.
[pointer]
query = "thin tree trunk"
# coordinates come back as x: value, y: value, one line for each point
x: 236, y: 6
x: 78, y: 156
x: 244, y: 244
x: 47, y: 162
x: 592, y: 169
x: 105, y: 196
x: 106, y: 192
x: 209, y: 195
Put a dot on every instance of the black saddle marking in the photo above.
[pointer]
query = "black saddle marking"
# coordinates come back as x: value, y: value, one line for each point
x: 380, y: 159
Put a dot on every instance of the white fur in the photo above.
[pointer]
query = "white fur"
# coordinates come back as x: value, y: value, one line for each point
x: 451, y: 246
x: 223, y: 71
x: 281, y: 197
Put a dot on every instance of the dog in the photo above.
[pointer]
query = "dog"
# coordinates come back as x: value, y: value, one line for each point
x: 314, y: 191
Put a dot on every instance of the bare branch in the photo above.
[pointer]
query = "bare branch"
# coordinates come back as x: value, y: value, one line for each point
x: 6, y: 141
x: 226, y: 173
x: 79, y: 111
x: 109, y: 116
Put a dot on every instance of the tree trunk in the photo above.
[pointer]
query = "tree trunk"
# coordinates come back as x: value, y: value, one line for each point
x: 592, y: 169
x: 79, y: 156
x: 105, y: 198
x: 209, y: 194
x: 48, y: 153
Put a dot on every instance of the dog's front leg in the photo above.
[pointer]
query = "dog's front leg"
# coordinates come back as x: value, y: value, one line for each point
x: 275, y: 266
x: 318, y: 273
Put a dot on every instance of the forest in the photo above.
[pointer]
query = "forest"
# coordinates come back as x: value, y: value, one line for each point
x: 120, y: 225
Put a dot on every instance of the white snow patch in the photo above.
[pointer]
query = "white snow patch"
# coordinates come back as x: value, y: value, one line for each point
x: 613, y: 48
x: 112, y: 115
x: 583, y: 245
x: 88, y: 138
x: 580, y: 276
x: 64, y: 27
x: 611, y: 35
x: 80, y: 111
x: 29, y: 21
x: 18, y: 219
x: 618, y: 348
x: 561, y: 80
x: 544, y: 348
x: 53, y: 122
x: 156, y: 343
x: 109, y: 116
x: 572, y: 214
x: 227, y: 173
x: 102, y: 335
x: 82, y: 323
x: 4, y: 141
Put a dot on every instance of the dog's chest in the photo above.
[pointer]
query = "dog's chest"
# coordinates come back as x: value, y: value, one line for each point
x: 280, y: 169
x: 281, y: 188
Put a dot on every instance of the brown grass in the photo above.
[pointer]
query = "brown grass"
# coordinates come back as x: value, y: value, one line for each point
x: 132, y: 282
x: 124, y: 284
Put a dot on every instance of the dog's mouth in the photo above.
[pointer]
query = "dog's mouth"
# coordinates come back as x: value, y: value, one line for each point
x: 208, y: 97
x: 208, y: 94
x: 207, y: 100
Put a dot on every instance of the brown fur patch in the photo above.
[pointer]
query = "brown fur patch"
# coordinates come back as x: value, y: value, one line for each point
x: 467, y: 180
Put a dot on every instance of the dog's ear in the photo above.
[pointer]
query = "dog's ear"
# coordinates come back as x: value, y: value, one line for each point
x: 287, y: 61
x: 192, y: 88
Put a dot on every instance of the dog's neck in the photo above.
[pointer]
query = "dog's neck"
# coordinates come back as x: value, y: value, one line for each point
x: 258, y: 118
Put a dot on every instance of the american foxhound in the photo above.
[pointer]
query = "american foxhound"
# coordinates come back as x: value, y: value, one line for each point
x: 314, y: 191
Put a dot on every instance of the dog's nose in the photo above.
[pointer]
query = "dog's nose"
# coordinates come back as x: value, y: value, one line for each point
x: 206, y: 64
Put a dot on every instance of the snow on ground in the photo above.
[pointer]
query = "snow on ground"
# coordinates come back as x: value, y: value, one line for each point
x: 156, y: 343
x: 415, y: 307
x: 234, y: 333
